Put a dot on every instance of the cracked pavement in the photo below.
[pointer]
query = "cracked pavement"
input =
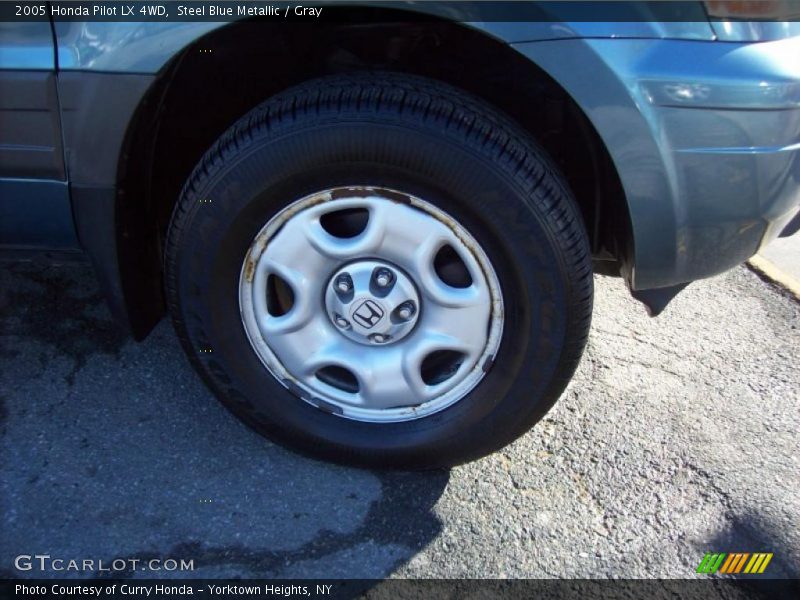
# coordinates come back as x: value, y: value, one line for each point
x: 677, y: 436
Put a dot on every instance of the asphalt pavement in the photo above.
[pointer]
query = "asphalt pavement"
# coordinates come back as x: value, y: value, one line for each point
x: 678, y: 436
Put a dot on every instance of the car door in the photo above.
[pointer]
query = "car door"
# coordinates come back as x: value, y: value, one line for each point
x: 35, y: 207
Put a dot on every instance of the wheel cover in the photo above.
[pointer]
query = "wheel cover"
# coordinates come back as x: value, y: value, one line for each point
x: 372, y: 332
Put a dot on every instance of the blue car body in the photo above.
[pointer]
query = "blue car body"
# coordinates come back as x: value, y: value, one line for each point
x: 701, y: 122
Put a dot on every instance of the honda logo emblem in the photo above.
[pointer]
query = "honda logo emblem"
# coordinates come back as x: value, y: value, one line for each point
x: 368, y: 314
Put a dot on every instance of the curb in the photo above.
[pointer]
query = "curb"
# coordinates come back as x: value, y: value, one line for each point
x: 775, y: 274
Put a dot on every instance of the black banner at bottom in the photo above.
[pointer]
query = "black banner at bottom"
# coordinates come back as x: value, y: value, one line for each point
x: 399, y: 589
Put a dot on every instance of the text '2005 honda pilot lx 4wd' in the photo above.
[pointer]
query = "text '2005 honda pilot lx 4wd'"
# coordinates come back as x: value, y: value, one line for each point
x: 376, y: 231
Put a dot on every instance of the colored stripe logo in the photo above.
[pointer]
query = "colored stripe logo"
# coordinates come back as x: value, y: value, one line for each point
x: 734, y: 563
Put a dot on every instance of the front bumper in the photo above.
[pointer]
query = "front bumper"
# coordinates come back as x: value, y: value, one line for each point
x: 729, y: 127
x: 705, y: 137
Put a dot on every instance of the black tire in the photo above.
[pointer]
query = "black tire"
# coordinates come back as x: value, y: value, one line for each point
x: 427, y: 139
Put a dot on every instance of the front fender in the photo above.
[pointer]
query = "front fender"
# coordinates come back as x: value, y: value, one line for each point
x: 705, y: 137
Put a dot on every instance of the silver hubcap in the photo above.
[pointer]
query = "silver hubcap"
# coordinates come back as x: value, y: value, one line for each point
x: 395, y: 317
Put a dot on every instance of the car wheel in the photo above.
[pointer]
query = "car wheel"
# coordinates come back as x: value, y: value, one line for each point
x: 380, y: 270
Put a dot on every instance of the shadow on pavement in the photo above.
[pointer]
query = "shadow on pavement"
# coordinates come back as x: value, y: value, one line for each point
x: 755, y: 532
x: 111, y: 449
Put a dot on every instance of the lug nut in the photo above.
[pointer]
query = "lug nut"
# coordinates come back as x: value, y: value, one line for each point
x: 406, y: 310
x: 343, y: 283
x: 341, y: 322
x: 383, y: 277
x: 379, y: 338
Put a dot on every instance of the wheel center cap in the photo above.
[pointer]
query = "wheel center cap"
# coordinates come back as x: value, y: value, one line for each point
x: 368, y: 313
x: 372, y: 302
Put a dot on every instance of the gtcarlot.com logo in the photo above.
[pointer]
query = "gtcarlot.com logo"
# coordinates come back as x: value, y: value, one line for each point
x: 46, y: 563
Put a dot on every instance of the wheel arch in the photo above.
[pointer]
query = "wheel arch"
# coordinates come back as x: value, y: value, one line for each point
x: 181, y: 115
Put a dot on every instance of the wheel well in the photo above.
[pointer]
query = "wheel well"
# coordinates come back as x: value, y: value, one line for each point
x: 224, y: 74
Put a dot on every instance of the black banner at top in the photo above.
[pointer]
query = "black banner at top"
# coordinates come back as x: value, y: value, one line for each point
x: 458, y: 10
